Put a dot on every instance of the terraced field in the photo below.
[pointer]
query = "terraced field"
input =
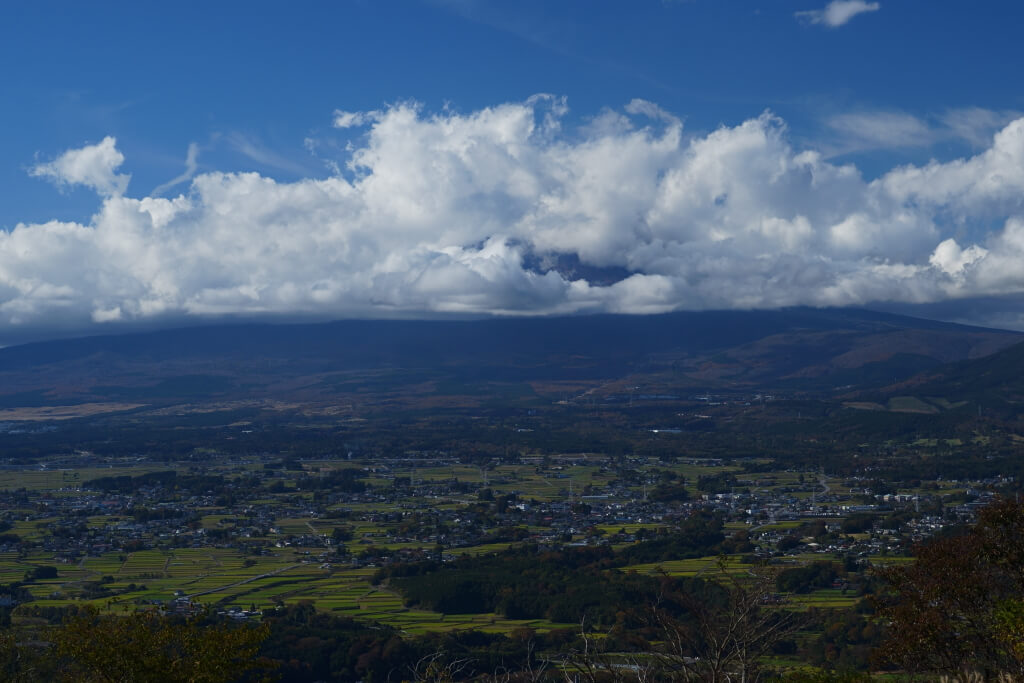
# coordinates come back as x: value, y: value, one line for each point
x: 692, y: 567
x: 269, y: 566
x: 826, y: 598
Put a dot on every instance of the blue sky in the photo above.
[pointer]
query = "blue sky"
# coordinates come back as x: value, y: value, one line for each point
x: 187, y: 99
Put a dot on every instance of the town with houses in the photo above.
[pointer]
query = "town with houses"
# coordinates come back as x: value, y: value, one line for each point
x: 343, y: 515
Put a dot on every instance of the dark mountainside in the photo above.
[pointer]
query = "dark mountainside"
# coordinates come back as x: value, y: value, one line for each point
x: 992, y: 385
x: 802, y: 350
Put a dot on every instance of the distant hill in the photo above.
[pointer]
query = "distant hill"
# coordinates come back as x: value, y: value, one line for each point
x: 799, y: 349
x: 993, y: 384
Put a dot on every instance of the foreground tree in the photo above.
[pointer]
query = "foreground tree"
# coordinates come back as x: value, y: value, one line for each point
x: 724, y: 639
x: 24, y: 662
x: 146, y: 646
x: 715, y: 631
x: 958, y: 610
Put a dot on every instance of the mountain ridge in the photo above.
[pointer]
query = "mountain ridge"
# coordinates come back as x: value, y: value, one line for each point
x: 800, y: 349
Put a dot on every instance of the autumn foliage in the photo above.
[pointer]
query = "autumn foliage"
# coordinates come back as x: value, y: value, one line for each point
x: 958, y: 610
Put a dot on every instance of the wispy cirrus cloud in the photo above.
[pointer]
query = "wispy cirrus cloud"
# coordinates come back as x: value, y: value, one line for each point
x: 191, y: 166
x: 882, y: 129
x: 867, y: 130
x: 837, y: 13
x: 976, y: 125
x: 255, y: 150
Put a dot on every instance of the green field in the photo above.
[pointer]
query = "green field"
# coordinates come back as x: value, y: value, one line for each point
x: 279, y: 571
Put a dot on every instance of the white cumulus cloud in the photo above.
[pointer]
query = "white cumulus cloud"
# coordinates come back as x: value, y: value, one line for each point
x: 93, y: 166
x: 353, y: 119
x: 838, y: 12
x: 506, y: 210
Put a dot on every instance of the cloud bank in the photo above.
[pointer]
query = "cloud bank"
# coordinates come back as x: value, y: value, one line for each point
x: 838, y: 12
x: 506, y: 211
